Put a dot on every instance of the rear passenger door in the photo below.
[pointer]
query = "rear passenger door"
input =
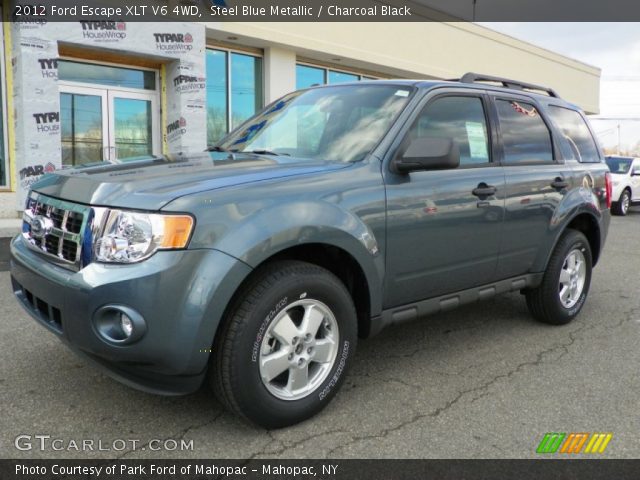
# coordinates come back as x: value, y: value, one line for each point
x: 536, y: 181
x: 444, y: 226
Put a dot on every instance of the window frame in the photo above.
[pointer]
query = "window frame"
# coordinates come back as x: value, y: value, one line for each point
x: 228, y: 52
x: 453, y: 92
x: 9, y: 184
x: 557, y: 157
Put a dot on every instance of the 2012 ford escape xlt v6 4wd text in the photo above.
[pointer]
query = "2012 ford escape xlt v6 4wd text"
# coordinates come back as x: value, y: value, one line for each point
x: 334, y: 212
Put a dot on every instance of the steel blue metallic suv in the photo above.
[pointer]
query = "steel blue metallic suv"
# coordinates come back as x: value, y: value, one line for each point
x: 334, y: 212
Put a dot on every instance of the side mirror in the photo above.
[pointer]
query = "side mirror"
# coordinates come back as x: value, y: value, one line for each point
x: 427, y: 153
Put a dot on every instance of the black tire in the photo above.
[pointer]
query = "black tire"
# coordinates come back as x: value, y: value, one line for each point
x: 618, y: 208
x: 544, y: 301
x: 235, y: 372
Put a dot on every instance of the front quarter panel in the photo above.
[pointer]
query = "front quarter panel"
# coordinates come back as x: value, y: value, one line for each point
x: 343, y: 208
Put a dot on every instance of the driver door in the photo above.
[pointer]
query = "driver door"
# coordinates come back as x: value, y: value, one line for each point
x: 443, y: 229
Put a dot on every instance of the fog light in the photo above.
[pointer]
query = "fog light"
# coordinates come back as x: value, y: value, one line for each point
x: 119, y: 324
x: 126, y: 324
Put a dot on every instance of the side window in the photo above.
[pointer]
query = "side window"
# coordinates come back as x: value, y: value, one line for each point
x: 525, y: 136
x: 576, y: 133
x: 459, y: 118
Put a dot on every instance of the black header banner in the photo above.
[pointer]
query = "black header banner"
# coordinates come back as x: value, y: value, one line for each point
x: 318, y: 469
x: 39, y: 11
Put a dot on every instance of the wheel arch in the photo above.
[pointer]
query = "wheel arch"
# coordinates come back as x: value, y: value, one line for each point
x: 589, y: 226
x: 359, y: 280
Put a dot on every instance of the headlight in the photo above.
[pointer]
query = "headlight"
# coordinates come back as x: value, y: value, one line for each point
x: 129, y: 237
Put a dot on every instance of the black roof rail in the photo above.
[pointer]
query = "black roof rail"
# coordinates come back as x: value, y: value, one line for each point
x: 507, y: 83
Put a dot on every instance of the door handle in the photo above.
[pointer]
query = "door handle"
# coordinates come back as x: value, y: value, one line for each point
x: 559, y: 184
x: 484, y: 190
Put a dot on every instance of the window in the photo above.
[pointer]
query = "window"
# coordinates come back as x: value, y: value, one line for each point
x: 461, y: 119
x: 342, y: 77
x: 308, y: 76
x: 525, y: 136
x: 619, y: 165
x: 337, y: 123
x: 234, y: 91
x: 106, y: 75
x: 581, y: 145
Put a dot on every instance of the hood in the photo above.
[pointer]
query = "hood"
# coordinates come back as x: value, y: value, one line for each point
x: 152, y: 183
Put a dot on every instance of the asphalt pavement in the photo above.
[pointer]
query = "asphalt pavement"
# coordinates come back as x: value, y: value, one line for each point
x: 484, y: 381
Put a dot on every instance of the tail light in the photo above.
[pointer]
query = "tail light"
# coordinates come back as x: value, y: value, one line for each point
x: 608, y: 186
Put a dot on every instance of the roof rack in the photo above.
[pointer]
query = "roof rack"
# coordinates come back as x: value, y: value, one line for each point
x: 507, y: 83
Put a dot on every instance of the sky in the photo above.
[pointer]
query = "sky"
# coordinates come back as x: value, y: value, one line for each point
x: 613, y: 47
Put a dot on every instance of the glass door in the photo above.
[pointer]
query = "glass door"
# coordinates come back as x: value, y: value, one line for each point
x: 84, y: 118
x: 133, y: 121
x: 107, y: 113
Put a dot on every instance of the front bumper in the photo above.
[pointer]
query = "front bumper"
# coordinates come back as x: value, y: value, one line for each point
x: 180, y: 294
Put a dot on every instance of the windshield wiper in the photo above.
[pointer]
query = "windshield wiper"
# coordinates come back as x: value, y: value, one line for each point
x: 262, y: 151
x: 216, y: 149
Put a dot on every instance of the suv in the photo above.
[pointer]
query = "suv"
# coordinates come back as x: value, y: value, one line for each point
x: 334, y: 212
x: 625, y: 173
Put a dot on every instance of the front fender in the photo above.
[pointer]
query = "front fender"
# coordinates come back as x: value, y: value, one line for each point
x: 267, y: 232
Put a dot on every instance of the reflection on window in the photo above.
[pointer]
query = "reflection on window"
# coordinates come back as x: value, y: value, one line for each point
x: 340, y: 123
x: 216, y: 95
x: 246, y: 87
x: 81, y: 123
x: 581, y: 145
x: 525, y: 136
x: 461, y: 119
x: 234, y: 91
x: 132, y: 128
x: 106, y: 75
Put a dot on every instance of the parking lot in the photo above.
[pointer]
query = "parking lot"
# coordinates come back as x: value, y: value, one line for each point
x: 481, y: 381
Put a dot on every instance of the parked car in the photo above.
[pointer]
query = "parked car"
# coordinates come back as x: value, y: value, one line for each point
x: 332, y: 213
x: 625, y: 175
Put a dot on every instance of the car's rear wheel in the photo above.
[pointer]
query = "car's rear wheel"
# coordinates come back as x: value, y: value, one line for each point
x: 285, y: 347
x: 565, y: 284
x: 621, y: 207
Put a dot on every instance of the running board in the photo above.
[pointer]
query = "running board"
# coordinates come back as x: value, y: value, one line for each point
x: 444, y: 303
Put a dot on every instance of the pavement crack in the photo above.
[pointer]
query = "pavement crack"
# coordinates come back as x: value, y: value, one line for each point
x: 181, y: 435
x: 482, y: 389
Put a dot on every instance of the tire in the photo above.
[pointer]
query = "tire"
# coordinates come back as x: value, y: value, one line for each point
x: 621, y: 207
x: 546, y: 302
x: 258, y: 327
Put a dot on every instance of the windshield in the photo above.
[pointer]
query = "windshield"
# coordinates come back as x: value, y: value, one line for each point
x: 341, y: 123
x: 619, y: 165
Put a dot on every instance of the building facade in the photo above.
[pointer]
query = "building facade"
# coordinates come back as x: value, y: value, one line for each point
x: 81, y: 92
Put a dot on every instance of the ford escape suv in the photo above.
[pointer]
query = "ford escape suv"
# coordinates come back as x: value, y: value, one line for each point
x: 332, y: 213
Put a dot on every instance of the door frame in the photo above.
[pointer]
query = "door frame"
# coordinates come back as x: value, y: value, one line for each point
x: 109, y: 93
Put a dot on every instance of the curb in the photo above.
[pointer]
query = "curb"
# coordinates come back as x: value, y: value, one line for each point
x: 9, y: 227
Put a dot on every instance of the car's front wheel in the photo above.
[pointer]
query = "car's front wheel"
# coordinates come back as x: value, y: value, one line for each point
x: 565, y: 284
x: 284, y: 350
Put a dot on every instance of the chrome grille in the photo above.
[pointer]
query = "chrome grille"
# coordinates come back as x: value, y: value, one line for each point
x: 55, y: 228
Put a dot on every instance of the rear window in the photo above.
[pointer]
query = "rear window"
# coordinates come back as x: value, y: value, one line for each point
x: 619, y: 164
x: 581, y: 144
